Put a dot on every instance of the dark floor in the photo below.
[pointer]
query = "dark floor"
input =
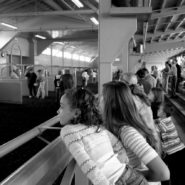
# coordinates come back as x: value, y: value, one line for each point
x: 16, y: 119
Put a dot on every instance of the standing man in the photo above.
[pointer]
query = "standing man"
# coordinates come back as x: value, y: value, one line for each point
x: 173, y: 74
x: 57, y: 83
x: 165, y: 76
x: 31, y: 80
x: 146, y: 79
x: 85, y: 78
x: 178, y: 76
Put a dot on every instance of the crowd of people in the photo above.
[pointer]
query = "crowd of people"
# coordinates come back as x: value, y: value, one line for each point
x: 36, y: 82
x: 171, y: 73
x: 125, y: 137
x: 65, y: 81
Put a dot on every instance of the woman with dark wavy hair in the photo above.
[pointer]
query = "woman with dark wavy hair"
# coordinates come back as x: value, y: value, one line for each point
x: 99, y: 153
x: 122, y: 118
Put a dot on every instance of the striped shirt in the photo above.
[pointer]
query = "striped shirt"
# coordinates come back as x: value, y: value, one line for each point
x: 94, y: 152
x: 171, y: 141
x: 145, y: 112
x: 139, y: 152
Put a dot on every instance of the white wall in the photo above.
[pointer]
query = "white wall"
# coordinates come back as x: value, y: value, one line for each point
x: 22, y: 43
x: 46, y: 60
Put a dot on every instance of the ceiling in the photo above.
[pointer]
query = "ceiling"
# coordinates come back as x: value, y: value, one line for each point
x: 164, y: 31
x: 65, y: 25
x: 69, y: 28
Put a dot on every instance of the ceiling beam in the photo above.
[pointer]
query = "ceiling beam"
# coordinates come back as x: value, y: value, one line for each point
x: 122, y: 11
x: 167, y: 12
x: 158, y: 20
x: 48, y: 13
x: 85, y: 19
x: 161, y: 46
x: 172, y: 19
x: 180, y: 33
x: 169, y: 23
x: 159, y: 33
x: 52, y: 4
x: 180, y: 2
x: 43, y: 29
x: 179, y: 40
x: 170, y: 36
x: 177, y: 36
x: 12, y: 6
x: 180, y: 23
x: 91, y: 6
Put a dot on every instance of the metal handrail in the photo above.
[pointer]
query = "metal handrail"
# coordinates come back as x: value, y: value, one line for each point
x: 27, y: 136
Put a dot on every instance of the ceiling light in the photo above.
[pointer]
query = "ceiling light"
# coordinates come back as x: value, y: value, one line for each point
x: 39, y: 36
x: 94, y: 20
x: 78, y: 3
x: 117, y: 59
x: 9, y: 25
x: 59, y: 43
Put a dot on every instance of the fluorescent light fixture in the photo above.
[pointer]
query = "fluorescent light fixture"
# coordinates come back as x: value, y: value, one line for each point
x: 94, y: 20
x: 78, y: 3
x: 39, y: 36
x: 9, y: 25
x: 59, y: 43
x: 117, y: 59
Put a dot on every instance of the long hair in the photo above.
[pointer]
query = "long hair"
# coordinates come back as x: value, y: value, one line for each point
x: 85, y: 101
x: 120, y: 110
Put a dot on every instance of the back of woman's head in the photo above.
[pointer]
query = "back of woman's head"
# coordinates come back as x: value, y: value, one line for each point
x: 119, y: 106
x: 139, y: 91
x: 67, y: 81
x: 85, y: 101
x: 130, y: 78
x: 120, y: 110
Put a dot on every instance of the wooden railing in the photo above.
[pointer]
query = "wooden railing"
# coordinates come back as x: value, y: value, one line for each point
x: 27, y: 136
x: 46, y: 166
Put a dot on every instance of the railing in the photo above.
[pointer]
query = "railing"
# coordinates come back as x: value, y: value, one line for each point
x: 20, y: 140
x: 46, y: 166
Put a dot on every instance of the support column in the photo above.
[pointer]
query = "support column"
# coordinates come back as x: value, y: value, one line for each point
x: 134, y: 64
x: 105, y: 73
x: 51, y: 55
x: 114, y: 36
x: 32, y: 51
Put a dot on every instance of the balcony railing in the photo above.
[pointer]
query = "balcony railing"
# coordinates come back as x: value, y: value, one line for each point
x: 47, y: 165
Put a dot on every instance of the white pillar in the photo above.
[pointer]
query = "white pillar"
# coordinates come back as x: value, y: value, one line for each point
x: 105, y: 72
x: 114, y: 36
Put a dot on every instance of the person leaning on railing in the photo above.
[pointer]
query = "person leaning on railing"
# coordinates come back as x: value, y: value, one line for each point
x: 122, y: 118
x: 94, y: 148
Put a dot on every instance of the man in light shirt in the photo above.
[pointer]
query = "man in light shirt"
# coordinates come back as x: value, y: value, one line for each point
x: 173, y: 73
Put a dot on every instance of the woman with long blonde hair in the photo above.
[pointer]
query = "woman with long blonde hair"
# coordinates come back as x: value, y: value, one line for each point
x: 122, y: 118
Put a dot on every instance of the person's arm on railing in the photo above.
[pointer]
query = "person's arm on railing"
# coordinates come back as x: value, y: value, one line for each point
x: 87, y: 165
